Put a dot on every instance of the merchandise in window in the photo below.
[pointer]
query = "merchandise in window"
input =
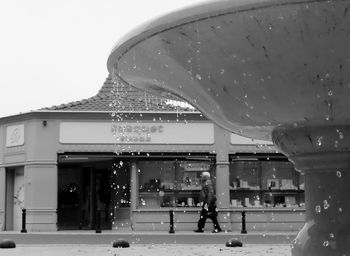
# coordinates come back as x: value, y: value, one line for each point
x: 265, y: 181
x: 171, y: 183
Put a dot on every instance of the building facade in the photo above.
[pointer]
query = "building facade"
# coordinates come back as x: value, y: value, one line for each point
x: 73, y: 165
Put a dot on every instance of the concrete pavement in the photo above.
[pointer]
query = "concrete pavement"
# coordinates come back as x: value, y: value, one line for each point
x: 148, y: 250
x: 143, y: 237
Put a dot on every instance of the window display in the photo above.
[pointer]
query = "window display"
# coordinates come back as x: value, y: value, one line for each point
x: 265, y: 181
x: 171, y: 183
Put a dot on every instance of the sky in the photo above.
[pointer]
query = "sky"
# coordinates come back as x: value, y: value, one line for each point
x: 55, y: 51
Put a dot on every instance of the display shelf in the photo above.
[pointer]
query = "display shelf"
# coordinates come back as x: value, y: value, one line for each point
x: 269, y: 190
x: 170, y: 198
x: 282, y: 191
x: 170, y: 191
x: 252, y: 198
x: 245, y: 190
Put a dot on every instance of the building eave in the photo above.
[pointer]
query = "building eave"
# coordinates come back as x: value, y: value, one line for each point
x: 105, y: 115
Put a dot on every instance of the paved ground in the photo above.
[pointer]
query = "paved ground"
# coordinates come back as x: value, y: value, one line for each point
x: 148, y: 250
x: 88, y: 243
x: 155, y: 237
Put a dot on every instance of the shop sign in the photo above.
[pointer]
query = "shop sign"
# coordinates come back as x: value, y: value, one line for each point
x: 15, y: 135
x: 136, y: 133
x: 195, y: 167
x: 240, y: 140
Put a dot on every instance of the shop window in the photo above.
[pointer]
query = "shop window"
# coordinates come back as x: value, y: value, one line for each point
x: 171, y: 183
x: 265, y: 181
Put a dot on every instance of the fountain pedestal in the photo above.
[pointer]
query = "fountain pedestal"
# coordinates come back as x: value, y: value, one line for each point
x: 321, y: 154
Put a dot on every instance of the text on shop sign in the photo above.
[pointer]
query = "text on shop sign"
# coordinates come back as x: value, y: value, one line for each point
x: 135, y: 133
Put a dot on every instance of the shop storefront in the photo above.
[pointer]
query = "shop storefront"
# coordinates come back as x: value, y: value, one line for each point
x: 71, y: 167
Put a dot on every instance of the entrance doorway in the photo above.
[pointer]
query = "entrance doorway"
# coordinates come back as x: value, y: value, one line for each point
x: 91, y: 188
x: 18, y: 198
x: 14, y: 198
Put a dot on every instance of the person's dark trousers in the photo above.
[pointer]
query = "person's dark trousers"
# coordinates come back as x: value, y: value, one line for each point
x: 210, y: 213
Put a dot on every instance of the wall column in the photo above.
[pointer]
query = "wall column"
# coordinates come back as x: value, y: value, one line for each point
x: 2, y: 197
x: 222, y: 167
x: 222, y: 185
x: 222, y: 148
x: 41, y: 196
x: 134, y: 193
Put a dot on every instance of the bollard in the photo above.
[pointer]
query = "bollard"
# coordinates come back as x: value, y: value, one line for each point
x: 121, y: 243
x: 234, y: 243
x: 23, y: 230
x: 98, y: 221
x: 171, y: 215
x: 244, y: 230
x: 7, y: 244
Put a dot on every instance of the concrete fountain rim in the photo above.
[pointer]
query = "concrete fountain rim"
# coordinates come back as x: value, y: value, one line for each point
x: 192, y: 14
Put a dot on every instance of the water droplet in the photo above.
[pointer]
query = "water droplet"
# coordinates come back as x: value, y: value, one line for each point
x: 341, y: 136
x: 336, y: 144
x: 340, y: 209
x: 318, y: 208
x: 326, y: 205
x: 222, y: 71
x: 339, y: 174
x: 319, y: 141
x: 325, y: 243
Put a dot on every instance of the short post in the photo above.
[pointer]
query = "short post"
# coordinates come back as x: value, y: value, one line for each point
x: 244, y: 230
x: 171, y: 215
x: 98, y: 221
x: 24, y: 213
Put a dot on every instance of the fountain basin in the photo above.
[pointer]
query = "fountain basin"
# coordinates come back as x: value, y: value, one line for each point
x: 248, y: 65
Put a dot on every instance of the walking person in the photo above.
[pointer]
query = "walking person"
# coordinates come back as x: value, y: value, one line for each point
x: 208, y: 202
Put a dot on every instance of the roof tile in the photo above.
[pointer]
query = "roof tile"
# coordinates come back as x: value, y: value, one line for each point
x: 128, y: 99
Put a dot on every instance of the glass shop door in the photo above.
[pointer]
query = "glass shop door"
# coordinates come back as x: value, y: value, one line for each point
x: 91, y: 193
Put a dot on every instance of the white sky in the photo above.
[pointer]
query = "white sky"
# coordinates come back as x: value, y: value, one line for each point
x: 55, y: 51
